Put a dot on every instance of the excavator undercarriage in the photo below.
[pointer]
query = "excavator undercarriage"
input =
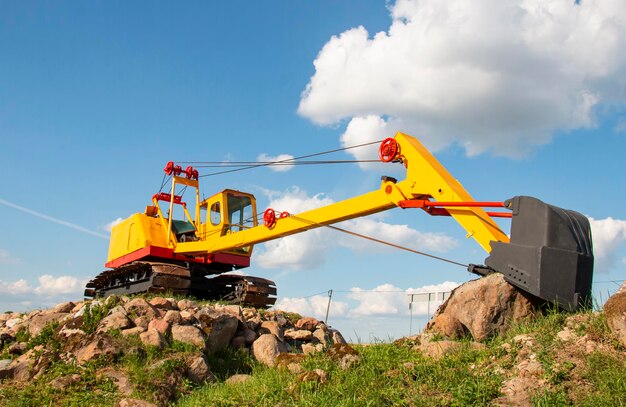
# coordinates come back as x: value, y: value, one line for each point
x: 163, y: 278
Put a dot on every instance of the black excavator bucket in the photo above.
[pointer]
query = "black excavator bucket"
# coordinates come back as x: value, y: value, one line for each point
x: 550, y: 254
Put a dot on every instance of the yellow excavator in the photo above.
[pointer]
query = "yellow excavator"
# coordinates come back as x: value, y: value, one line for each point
x: 548, y: 254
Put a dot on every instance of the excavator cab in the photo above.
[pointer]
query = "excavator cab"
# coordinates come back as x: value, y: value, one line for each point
x: 228, y: 212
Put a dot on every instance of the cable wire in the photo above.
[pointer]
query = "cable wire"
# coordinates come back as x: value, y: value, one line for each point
x: 287, y: 160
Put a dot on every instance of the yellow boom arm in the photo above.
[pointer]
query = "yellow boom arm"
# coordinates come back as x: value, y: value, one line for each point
x: 425, y: 179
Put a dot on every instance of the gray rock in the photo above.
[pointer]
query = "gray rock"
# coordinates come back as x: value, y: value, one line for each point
x: 38, y: 322
x: 337, y: 337
x: 141, y: 308
x: 173, y: 317
x: 64, y: 307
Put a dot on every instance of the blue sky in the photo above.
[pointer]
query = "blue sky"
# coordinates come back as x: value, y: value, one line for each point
x: 96, y: 97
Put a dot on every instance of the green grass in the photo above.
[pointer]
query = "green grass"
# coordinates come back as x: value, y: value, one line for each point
x: 388, y: 373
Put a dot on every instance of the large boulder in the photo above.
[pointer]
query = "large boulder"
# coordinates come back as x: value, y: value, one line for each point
x: 188, y: 334
x: 482, y: 308
x: 615, y: 314
x: 267, y: 348
x: 220, y: 328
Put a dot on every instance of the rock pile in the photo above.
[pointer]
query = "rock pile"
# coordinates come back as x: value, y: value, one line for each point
x: 80, y: 332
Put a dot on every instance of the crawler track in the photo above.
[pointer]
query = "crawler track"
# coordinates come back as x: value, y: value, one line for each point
x: 152, y: 277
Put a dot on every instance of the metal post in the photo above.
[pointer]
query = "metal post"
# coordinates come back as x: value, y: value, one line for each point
x: 330, y: 297
x: 411, y: 318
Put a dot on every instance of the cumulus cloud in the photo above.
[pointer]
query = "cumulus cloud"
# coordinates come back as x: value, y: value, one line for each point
x: 282, y: 162
x: 383, y: 300
x: 49, y: 286
x: 387, y: 299
x: 305, y: 251
x: 498, y: 75
x: 609, y: 236
x: 314, y: 306
x: 109, y: 226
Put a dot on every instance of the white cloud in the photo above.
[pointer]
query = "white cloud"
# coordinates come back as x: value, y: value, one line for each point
x: 305, y: 251
x: 49, y: 287
x: 401, y: 235
x: 620, y: 126
x: 8, y: 288
x: 314, y: 306
x: 53, y: 286
x: 387, y: 299
x: 281, y: 160
x: 499, y: 75
x: 384, y: 300
x: 608, y: 236
x: 109, y: 226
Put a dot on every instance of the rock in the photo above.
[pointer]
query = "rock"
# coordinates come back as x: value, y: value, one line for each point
x: 566, y: 335
x: 322, y: 336
x: 116, y: 320
x: 119, y: 378
x: 238, y: 342
x: 266, y: 348
x: 238, y: 378
x: 219, y: 328
x: 272, y: 327
x: 482, y: 308
x: 337, y: 337
x: 346, y: 355
x: 517, y: 391
x: 188, y: 334
x: 133, y: 331
x: 20, y: 367
x: 135, y: 403
x: 309, y: 348
x: 38, y: 322
x: 436, y: 350
x: 615, y: 314
x: 152, y: 337
x: 187, y: 316
x: 64, y: 307
x: 141, y: 308
x: 142, y: 322
x: 234, y: 310
x: 529, y: 368
x: 307, y: 323
x: 112, y: 300
x: 249, y: 336
x: 299, y: 335
x: 17, y: 348
x: 6, y: 371
x: 198, y: 370
x: 162, y: 303
x: 63, y: 382
x: 186, y: 304
x: 101, y: 345
x: 160, y: 325
x: 13, y: 322
x: 173, y: 317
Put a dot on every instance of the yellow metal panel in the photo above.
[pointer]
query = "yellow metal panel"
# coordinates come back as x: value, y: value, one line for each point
x: 134, y: 233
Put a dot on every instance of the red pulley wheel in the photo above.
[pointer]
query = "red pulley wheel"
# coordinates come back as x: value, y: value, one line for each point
x: 269, y: 218
x: 169, y: 168
x: 388, y: 150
